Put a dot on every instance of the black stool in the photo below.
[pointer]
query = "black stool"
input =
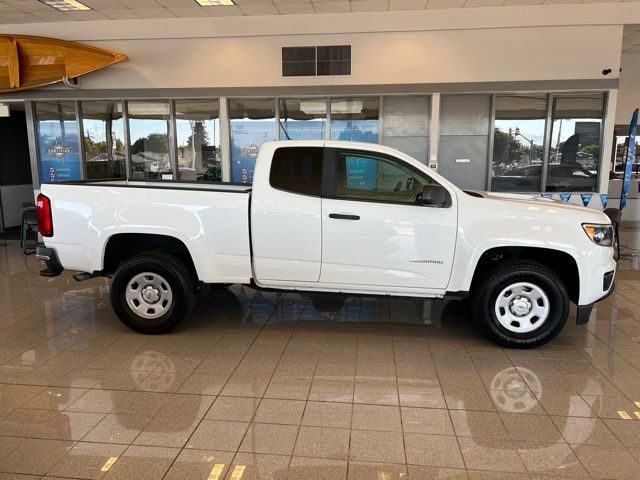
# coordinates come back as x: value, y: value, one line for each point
x: 615, y: 215
x: 29, y: 229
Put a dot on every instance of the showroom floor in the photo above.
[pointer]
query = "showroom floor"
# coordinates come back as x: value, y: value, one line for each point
x: 263, y: 386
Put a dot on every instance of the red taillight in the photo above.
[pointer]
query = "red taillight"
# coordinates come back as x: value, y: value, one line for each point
x: 43, y: 211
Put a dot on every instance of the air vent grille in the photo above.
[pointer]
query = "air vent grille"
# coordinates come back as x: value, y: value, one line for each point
x: 316, y: 61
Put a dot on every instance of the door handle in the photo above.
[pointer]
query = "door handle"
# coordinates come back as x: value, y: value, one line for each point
x: 341, y: 216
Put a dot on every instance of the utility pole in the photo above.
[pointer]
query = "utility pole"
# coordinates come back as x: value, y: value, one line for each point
x: 518, y: 134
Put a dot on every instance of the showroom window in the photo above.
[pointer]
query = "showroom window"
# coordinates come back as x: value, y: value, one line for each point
x: 355, y: 119
x: 58, y: 141
x: 198, y: 140
x: 103, y: 140
x: 149, y: 126
x: 546, y: 142
x: 621, y: 141
x: 574, y: 150
x: 518, y: 143
x: 302, y: 119
x: 297, y: 170
x: 252, y: 122
x: 370, y: 177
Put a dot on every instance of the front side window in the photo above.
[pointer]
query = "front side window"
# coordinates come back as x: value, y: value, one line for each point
x: 297, y: 170
x: 372, y: 177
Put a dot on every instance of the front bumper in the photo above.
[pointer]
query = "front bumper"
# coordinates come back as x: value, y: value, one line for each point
x: 584, y: 311
x: 50, y: 259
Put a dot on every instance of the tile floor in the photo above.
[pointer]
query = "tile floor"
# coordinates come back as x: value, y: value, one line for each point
x: 264, y: 386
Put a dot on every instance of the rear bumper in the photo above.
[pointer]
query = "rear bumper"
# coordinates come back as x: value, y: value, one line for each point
x: 50, y: 258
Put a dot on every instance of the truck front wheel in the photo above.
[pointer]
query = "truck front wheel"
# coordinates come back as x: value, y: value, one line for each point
x: 153, y: 292
x: 521, y: 304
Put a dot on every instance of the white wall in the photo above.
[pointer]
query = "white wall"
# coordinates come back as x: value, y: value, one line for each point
x: 530, y: 42
x: 629, y: 90
x: 451, y: 56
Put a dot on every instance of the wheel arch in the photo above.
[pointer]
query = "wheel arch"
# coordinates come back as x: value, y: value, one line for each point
x: 562, y: 263
x: 121, y: 246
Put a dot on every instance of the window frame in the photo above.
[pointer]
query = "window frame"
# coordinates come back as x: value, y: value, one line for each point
x: 329, y: 177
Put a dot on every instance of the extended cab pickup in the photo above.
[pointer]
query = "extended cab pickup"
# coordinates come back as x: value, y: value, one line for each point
x: 328, y: 216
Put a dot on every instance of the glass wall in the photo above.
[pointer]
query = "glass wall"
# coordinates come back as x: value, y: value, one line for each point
x: 198, y: 140
x: 252, y: 122
x: 518, y: 143
x: 574, y: 151
x: 103, y: 140
x: 621, y: 144
x: 302, y: 119
x: 538, y: 142
x: 149, y: 127
x: 531, y: 156
x: 355, y: 119
x: 58, y: 141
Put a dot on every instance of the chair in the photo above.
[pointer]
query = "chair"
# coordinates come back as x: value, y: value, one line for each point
x: 615, y: 215
x: 29, y: 228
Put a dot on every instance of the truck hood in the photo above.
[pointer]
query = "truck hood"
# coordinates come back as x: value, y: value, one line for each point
x: 528, y: 200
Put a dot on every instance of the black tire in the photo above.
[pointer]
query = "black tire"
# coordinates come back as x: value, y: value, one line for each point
x: 502, y: 276
x: 180, y: 281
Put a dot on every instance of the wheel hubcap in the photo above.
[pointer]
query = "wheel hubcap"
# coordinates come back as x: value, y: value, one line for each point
x: 149, y: 295
x: 522, y: 307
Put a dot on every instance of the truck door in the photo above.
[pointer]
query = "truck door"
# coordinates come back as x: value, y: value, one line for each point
x: 286, y: 224
x: 376, y: 231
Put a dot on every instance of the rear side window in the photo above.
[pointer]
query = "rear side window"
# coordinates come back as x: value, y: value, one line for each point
x: 297, y: 170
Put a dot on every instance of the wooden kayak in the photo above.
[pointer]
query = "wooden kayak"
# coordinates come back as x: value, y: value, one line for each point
x: 29, y: 62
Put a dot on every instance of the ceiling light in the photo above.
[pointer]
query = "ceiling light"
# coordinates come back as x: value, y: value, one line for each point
x: 211, y: 3
x: 66, y: 5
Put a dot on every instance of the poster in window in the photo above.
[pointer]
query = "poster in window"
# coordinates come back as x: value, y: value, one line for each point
x: 302, y: 129
x: 246, y: 139
x: 355, y: 130
x: 59, y: 151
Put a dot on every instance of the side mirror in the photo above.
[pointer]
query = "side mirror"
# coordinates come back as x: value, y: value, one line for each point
x: 435, y: 196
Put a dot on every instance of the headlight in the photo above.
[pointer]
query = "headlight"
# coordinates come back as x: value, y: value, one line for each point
x: 599, y: 234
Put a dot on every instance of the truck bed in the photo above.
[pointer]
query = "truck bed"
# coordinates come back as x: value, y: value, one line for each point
x: 211, y: 220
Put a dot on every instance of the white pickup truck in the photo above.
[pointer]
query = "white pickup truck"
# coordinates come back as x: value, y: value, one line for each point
x: 328, y: 216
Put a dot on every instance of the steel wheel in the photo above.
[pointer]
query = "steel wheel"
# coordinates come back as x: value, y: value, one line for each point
x: 149, y: 295
x: 522, y: 307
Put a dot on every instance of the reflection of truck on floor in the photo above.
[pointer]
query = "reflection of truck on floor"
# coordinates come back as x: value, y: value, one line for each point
x: 338, y: 217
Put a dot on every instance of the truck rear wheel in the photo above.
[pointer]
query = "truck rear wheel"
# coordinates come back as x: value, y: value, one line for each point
x: 153, y: 292
x: 521, y: 304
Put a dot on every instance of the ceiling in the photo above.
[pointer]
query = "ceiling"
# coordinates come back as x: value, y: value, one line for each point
x: 33, y: 11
